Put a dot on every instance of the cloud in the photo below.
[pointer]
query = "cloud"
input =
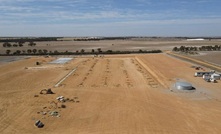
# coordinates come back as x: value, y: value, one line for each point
x: 101, y: 14
x: 85, y: 9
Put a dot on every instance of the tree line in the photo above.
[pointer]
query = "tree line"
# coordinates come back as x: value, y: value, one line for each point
x: 78, y: 52
x: 201, y: 48
x: 18, y: 44
x: 29, y: 39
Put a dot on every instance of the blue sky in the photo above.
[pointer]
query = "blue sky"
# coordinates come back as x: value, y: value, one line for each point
x: 110, y: 18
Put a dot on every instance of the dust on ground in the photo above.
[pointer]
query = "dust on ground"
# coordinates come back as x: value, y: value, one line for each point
x: 110, y: 94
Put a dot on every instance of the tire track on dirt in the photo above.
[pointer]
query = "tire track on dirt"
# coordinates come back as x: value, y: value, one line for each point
x: 155, y: 76
x: 214, y: 67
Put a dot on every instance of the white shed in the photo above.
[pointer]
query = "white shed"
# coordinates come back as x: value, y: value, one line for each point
x: 200, y: 74
x: 215, y: 76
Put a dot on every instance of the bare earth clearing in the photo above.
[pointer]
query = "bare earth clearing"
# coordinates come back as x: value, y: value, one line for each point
x: 211, y: 57
x: 113, y: 94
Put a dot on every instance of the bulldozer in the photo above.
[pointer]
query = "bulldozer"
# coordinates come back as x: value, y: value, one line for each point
x: 46, y: 91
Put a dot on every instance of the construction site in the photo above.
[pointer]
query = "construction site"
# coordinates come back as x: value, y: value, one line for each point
x: 107, y: 94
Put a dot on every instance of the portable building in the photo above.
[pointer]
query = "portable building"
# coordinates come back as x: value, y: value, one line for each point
x: 215, y: 76
x: 206, y: 76
x: 200, y: 74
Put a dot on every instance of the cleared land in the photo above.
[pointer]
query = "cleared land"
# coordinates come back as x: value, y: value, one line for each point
x: 113, y: 94
x: 211, y: 57
x: 115, y: 45
x: 210, y: 62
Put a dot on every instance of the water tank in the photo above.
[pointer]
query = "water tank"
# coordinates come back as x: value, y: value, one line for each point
x: 183, y: 86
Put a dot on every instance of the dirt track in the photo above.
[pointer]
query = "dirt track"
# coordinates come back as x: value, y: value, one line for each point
x: 199, y: 62
x: 116, y: 94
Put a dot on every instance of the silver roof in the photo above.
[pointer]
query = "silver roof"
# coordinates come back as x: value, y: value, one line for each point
x: 183, y: 86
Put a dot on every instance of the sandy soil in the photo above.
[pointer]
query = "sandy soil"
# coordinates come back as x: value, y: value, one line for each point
x: 112, y: 94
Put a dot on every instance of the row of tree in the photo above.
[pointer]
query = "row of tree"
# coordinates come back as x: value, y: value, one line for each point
x: 81, y: 52
x: 36, y: 39
x: 18, y: 44
x: 29, y: 51
x: 201, y: 48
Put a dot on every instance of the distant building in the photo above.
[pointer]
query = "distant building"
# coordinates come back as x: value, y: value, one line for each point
x: 199, y: 39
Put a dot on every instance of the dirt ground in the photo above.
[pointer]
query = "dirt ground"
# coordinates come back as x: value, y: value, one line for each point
x: 211, y: 57
x: 110, y: 94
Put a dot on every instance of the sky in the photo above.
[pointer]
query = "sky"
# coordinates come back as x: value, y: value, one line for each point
x: 110, y: 18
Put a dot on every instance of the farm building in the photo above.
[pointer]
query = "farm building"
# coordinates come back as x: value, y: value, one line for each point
x: 211, y: 78
x: 215, y: 76
x: 199, y: 39
x: 200, y: 74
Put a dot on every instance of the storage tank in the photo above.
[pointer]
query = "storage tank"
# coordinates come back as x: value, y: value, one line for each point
x: 183, y: 86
